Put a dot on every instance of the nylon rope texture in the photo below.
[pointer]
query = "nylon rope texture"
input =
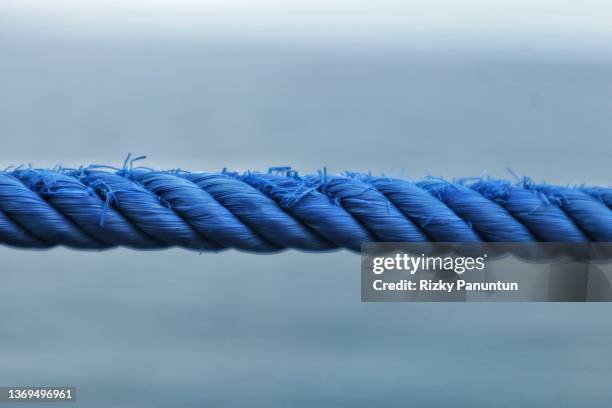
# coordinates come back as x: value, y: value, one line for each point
x: 99, y: 207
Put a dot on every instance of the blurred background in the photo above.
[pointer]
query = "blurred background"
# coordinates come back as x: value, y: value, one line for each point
x: 405, y: 88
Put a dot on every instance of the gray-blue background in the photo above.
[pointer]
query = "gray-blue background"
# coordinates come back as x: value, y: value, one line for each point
x: 174, y: 328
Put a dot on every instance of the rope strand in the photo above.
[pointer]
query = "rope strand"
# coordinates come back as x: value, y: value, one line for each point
x: 100, y: 208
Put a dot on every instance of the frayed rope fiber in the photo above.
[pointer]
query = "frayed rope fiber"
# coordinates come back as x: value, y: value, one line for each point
x: 99, y: 207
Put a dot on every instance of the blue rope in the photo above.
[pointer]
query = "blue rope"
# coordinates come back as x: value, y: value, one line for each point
x: 98, y: 207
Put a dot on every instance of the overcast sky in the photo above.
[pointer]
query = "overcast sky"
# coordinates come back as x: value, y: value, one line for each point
x: 579, y: 25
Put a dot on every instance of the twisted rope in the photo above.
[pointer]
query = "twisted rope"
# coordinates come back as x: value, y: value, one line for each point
x: 99, y: 208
